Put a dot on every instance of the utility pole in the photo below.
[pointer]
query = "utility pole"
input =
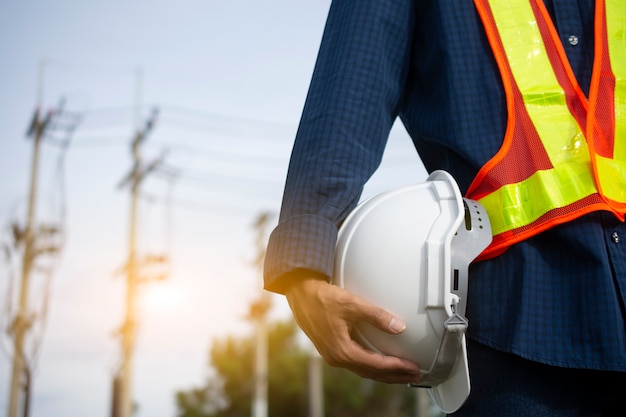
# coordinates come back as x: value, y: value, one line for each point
x: 259, y: 311
x: 258, y: 314
x: 22, y: 321
x: 37, y: 240
x: 122, y: 395
x: 316, y: 384
x: 421, y: 402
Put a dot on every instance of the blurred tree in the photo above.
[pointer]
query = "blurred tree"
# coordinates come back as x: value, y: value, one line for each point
x: 229, y: 392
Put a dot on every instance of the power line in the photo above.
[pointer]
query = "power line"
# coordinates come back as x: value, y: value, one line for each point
x: 181, y: 111
x: 214, y: 127
x: 85, y: 142
x: 261, y: 154
x: 220, y: 178
x: 209, y: 208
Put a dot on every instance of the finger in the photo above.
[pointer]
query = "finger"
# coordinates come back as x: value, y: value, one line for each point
x: 328, y: 314
x: 345, y: 352
x: 380, y: 318
x: 379, y: 367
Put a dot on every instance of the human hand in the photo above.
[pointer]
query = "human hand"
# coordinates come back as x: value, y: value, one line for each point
x: 328, y: 314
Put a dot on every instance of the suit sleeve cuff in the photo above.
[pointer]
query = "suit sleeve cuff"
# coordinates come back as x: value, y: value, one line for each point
x: 304, y: 242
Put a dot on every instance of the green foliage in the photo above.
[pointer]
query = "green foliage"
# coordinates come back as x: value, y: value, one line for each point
x: 347, y: 395
x: 229, y: 393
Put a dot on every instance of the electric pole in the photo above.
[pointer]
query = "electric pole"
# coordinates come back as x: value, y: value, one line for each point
x: 23, y: 320
x: 316, y: 384
x: 35, y: 240
x: 421, y: 402
x: 122, y: 395
x: 258, y: 314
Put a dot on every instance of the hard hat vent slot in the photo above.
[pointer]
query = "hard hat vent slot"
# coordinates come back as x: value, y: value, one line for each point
x: 468, y: 216
x: 455, y: 282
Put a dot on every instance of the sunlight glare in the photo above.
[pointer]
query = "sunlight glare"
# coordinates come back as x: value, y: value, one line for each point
x: 162, y: 297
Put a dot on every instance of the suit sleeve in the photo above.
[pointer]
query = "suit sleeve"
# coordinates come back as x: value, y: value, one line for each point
x: 351, y: 105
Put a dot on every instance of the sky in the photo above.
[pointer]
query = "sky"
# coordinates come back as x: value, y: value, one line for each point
x: 227, y: 81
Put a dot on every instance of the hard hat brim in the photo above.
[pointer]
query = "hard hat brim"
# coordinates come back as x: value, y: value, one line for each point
x: 452, y: 394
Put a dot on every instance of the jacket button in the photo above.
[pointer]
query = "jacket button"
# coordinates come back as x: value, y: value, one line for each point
x: 615, y: 237
x: 573, y: 40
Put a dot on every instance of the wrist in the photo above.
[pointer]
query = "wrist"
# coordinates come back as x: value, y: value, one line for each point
x: 300, y: 279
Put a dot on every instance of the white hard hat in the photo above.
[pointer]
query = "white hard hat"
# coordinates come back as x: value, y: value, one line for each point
x: 408, y: 251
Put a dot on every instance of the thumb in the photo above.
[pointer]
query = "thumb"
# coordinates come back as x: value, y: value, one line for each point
x: 384, y: 320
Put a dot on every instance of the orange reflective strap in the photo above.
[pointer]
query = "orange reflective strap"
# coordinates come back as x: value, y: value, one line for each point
x: 607, y: 100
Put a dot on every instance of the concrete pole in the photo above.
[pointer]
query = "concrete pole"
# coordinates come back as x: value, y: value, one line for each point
x: 421, y: 403
x: 129, y: 329
x: 21, y: 322
x: 260, y: 405
x: 259, y: 312
x: 130, y: 323
x: 316, y: 384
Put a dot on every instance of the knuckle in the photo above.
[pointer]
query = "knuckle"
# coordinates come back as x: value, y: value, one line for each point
x: 338, y: 359
x: 381, y: 315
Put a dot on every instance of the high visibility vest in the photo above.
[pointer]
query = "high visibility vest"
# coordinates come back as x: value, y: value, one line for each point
x: 563, y: 154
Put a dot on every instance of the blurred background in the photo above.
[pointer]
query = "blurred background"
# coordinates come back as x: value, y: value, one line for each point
x: 144, y: 147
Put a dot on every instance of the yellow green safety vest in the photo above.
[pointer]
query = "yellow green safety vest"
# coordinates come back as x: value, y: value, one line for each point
x: 563, y: 154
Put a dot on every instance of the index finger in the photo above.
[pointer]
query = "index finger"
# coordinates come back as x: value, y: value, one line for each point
x: 379, y: 367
